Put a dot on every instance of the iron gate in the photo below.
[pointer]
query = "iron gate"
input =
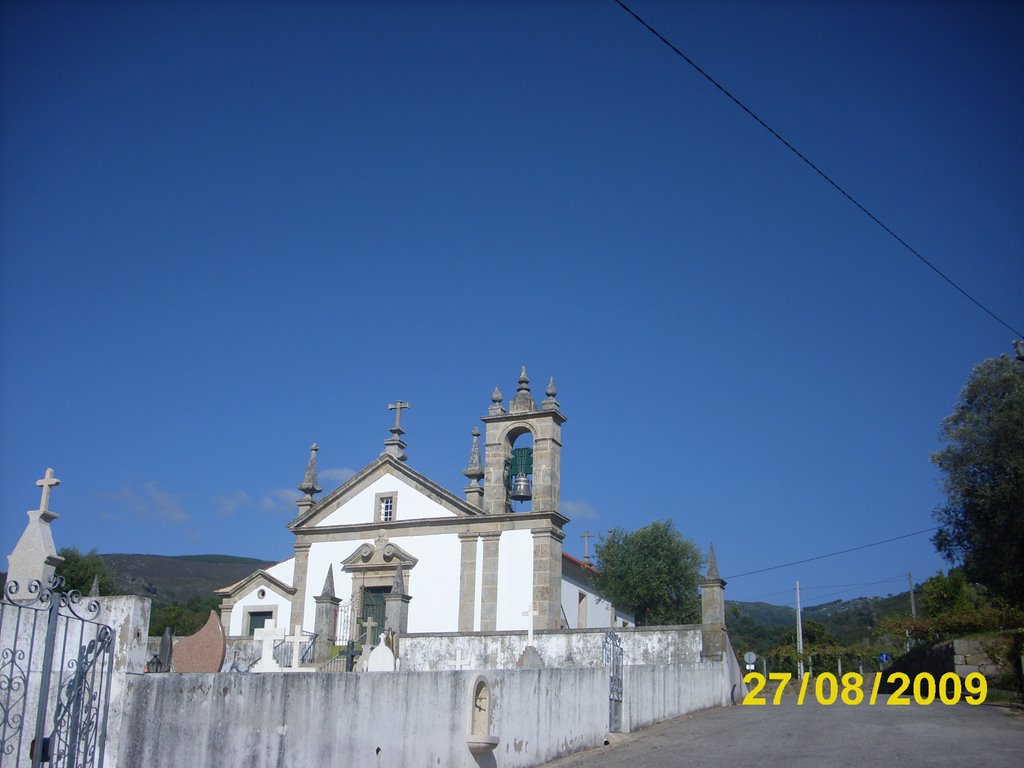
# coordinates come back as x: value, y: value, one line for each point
x: 613, y: 660
x: 56, y: 662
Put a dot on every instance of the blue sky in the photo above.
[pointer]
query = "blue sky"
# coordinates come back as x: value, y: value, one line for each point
x: 229, y: 230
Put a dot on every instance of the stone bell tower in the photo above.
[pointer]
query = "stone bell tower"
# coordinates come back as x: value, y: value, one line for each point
x: 503, y: 427
x: 507, y: 473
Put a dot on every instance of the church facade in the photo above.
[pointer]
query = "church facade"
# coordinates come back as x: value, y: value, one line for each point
x: 391, y: 548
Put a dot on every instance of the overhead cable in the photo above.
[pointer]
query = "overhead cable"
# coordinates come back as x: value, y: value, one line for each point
x: 833, y: 554
x: 816, y: 169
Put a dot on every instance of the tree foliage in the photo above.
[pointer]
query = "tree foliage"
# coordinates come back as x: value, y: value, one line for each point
x: 982, y: 522
x: 952, y: 607
x: 184, y: 618
x: 652, y: 573
x: 79, y: 570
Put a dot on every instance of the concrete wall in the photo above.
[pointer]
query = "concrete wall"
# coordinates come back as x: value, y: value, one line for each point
x: 579, y: 648
x: 22, y: 647
x: 383, y: 720
x: 653, y: 693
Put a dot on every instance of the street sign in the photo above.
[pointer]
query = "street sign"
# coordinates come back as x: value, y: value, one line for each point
x: 884, y: 658
x: 750, y: 657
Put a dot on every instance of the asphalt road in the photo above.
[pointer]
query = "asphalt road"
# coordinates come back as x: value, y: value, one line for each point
x: 788, y: 736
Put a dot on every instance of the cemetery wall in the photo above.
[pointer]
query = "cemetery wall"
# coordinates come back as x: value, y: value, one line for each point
x: 22, y: 641
x: 659, y: 692
x: 384, y: 719
x: 577, y: 648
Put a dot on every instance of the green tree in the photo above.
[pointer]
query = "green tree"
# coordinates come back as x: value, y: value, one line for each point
x: 982, y: 522
x: 184, y: 618
x: 79, y: 570
x: 652, y: 573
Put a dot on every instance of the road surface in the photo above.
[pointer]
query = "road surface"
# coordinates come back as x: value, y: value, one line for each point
x: 811, y: 736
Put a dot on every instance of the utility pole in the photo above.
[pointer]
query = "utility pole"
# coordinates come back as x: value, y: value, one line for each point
x: 799, y: 636
x: 913, y: 606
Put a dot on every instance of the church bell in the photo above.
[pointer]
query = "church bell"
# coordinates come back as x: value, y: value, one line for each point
x: 521, y: 488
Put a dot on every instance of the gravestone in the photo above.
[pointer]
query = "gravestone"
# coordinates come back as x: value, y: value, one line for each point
x: 529, y: 659
x: 268, y: 634
x: 530, y: 613
x: 35, y: 556
x: 381, y: 659
x: 161, y: 661
x: 202, y: 652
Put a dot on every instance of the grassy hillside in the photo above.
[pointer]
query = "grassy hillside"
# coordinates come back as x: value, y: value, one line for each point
x: 177, y: 579
x: 759, y: 627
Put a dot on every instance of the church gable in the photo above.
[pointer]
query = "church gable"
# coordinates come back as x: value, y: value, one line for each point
x: 386, y: 491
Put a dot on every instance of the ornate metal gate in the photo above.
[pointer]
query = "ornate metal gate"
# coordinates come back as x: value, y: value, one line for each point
x: 56, y: 662
x: 613, y: 660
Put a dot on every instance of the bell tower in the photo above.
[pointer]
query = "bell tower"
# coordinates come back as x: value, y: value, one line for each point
x: 513, y: 473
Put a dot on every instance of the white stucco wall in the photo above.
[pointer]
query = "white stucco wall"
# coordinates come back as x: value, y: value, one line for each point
x: 556, y: 648
x: 411, y: 504
x: 283, y: 571
x: 599, y: 612
x: 251, y: 601
x: 515, y: 579
x: 433, y: 582
x: 383, y: 719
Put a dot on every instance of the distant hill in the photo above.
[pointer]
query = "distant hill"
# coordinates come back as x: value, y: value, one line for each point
x: 176, y: 579
x: 759, y: 627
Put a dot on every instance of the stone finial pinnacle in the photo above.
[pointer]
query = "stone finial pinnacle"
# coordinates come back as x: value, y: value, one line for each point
x: 496, y: 398
x: 523, y: 401
x: 473, y: 470
x: 309, y: 482
x: 549, y: 403
x: 712, y: 564
x: 328, y: 590
x: 524, y: 381
x: 398, y: 585
x: 94, y: 590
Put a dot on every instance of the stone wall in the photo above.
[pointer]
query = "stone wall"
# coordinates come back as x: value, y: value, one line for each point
x: 22, y: 648
x: 653, y: 693
x: 577, y: 648
x: 383, y: 719
x: 963, y: 656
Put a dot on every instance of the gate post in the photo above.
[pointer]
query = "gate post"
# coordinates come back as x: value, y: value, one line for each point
x: 44, y: 681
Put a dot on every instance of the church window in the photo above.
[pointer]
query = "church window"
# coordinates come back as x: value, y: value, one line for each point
x: 258, y: 620
x: 387, y: 508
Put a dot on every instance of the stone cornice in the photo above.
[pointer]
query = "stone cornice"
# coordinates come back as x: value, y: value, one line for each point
x: 478, y: 524
x: 276, y: 584
x: 379, y: 467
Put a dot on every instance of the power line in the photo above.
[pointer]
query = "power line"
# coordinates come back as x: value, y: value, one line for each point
x: 833, y: 554
x: 847, y: 587
x: 816, y: 169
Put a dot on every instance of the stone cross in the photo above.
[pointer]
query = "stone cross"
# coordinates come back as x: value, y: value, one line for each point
x: 268, y: 634
x: 586, y: 546
x: 529, y: 613
x: 296, y: 641
x: 47, y: 484
x: 397, y: 408
x: 458, y: 662
x: 369, y: 623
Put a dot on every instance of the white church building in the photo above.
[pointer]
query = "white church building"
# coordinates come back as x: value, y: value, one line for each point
x: 393, y: 547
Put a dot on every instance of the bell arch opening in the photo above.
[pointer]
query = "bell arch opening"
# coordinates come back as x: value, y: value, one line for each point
x: 518, y: 472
